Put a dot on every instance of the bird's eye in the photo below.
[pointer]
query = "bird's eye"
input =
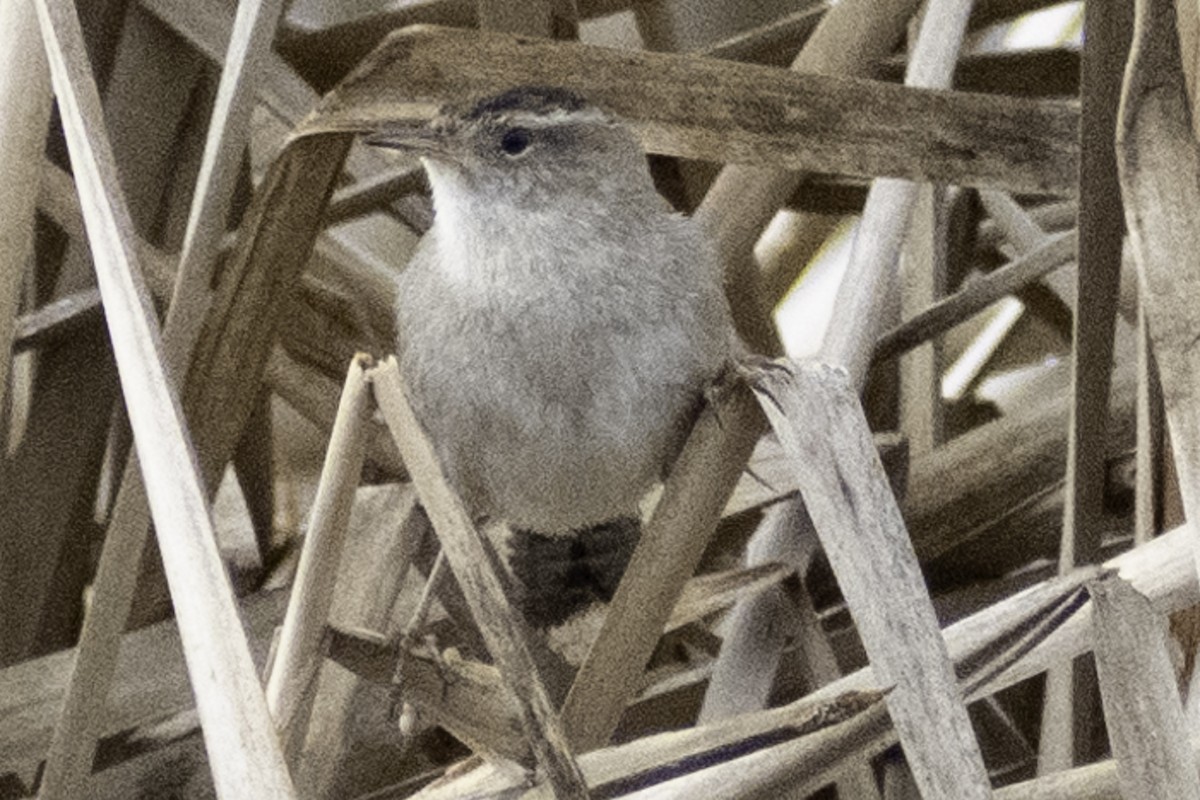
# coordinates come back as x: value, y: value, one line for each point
x: 514, y: 141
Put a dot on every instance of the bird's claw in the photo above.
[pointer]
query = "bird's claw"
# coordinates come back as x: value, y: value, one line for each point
x: 742, y: 370
x: 405, y: 714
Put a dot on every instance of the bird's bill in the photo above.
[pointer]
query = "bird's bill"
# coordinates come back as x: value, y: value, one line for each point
x: 419, y: 139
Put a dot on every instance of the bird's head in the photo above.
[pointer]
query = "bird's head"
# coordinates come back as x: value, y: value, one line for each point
x: 530, y: 145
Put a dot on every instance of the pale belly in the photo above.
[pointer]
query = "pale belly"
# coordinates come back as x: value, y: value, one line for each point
x: 567, y: 439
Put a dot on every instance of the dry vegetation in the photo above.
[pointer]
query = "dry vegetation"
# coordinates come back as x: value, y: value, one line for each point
x: 856, y: 581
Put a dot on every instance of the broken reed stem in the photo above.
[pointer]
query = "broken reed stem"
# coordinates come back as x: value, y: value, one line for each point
x: 297, y: 663
x: 1142, y: 710
x: 311, y: 394
x: 815, y: 411
x: 478, y: 573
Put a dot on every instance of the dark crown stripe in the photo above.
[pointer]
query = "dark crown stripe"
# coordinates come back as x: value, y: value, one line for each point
x: 534, y: 99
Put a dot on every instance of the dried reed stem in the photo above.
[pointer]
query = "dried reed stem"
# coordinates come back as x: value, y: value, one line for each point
x: 244, y: 752
x: 297, y: 662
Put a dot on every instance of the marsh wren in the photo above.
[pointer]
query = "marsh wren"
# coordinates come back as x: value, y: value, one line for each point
x: 558, y: 325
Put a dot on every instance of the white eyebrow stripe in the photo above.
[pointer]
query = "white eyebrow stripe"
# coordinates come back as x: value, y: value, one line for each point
x: 558, y: 116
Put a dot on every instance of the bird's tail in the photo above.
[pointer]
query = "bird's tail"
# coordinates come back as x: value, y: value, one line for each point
x: 558, y: 577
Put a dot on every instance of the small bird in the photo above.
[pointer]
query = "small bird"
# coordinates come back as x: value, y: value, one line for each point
x: 558, y: 327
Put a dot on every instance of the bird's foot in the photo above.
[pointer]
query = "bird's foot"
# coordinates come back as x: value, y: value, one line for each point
x: 405, y: 714
x: 743, y: 370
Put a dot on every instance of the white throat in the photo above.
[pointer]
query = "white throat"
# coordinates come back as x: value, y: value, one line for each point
x: 487, y: 244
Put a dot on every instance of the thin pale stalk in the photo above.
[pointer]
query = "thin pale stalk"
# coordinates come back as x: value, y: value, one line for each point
x: 378, y: 553
x: 943, y: 315
x: 56, y: 320
x: 1149, y: 486
x: 298, y: 659
x: 923, y: 282
x: 25, y: 100
x: 874, y: 256
x: 228, y: 133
